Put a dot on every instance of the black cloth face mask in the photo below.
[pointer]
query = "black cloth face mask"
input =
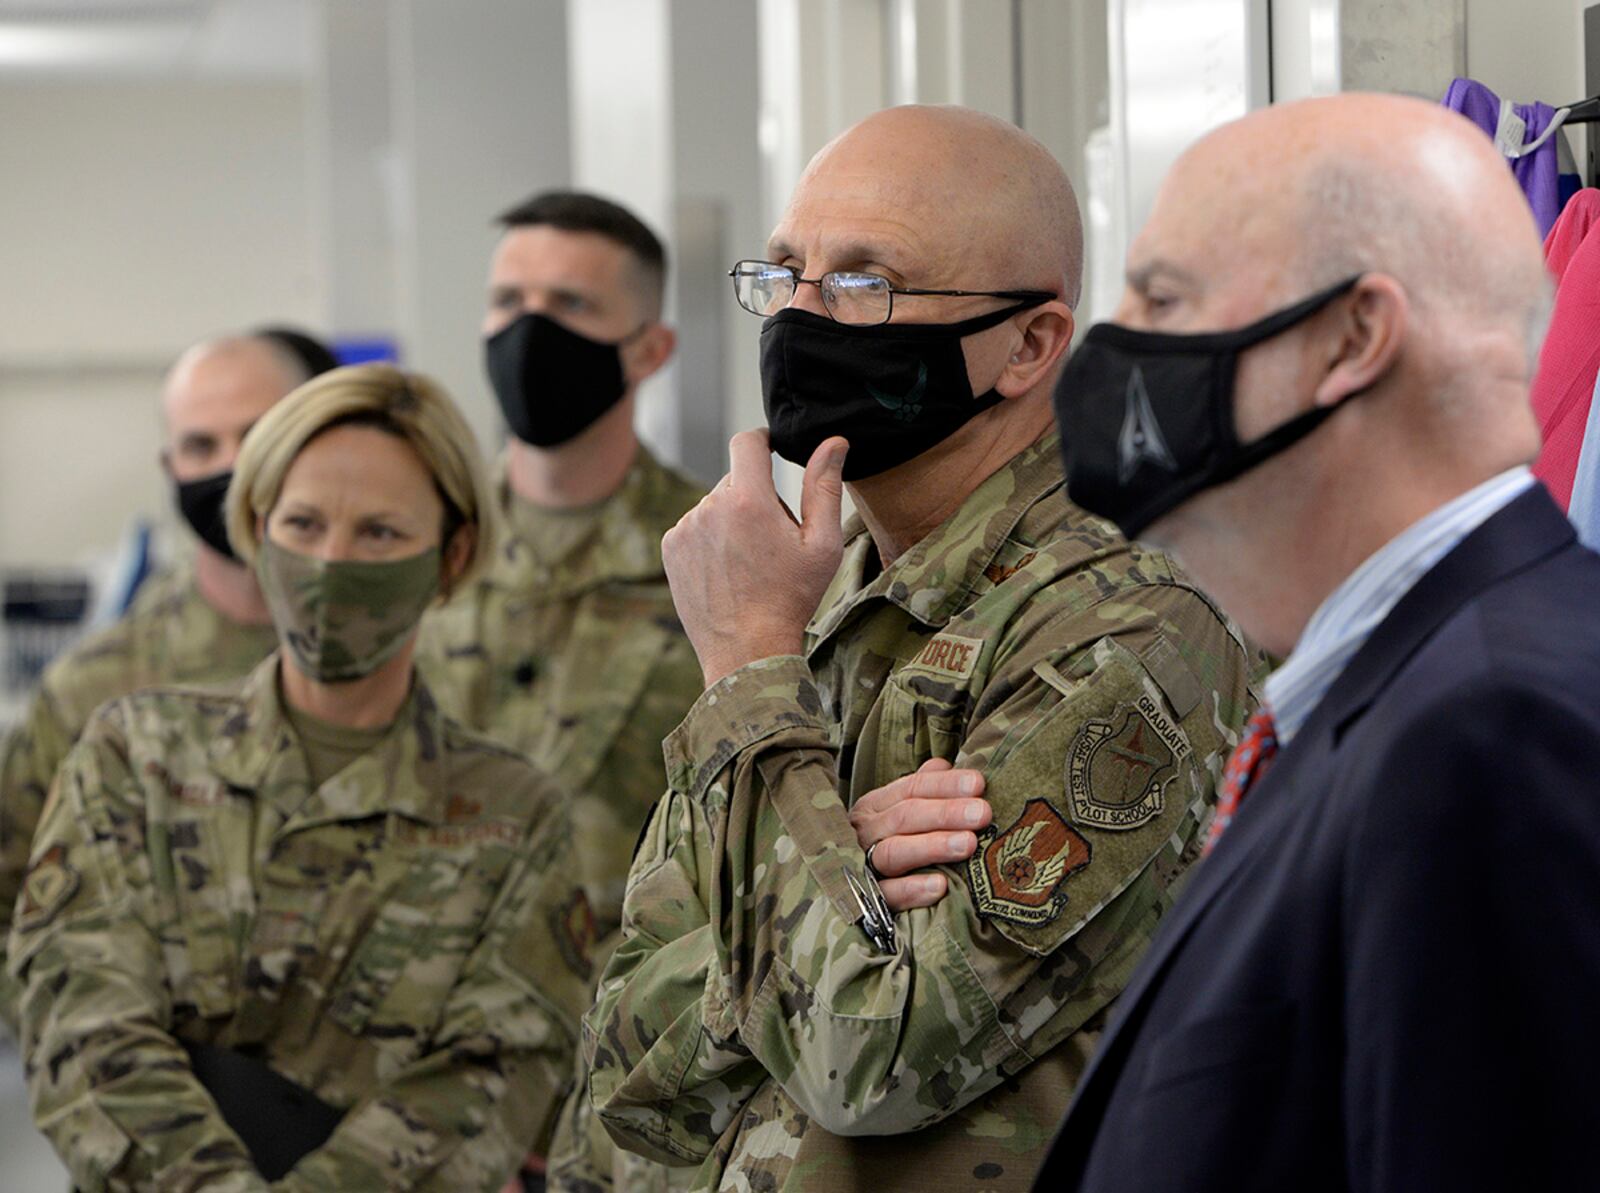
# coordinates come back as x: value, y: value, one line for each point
x: 893, y: 390
x: 552, y: 383
x: 201, y: 502
x: 1147, y: 417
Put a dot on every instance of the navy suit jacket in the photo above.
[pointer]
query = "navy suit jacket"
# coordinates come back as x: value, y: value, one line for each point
x: 1387, y: 975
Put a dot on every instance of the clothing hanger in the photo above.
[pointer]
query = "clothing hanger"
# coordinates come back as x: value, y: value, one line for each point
x: 1585, y: 111
x: 1562, y: 117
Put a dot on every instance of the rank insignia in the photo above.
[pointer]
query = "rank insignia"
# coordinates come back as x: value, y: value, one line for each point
x: 1020, y: 874
x: 1117, y: 769
x: 574, y: 928
x: 49, y: 887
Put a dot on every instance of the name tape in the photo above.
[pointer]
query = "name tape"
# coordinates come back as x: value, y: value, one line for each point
x: 949, y: 654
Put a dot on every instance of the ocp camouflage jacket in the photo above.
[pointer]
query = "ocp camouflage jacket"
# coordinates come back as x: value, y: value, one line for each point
x: 746, y: 1025
x: 392, y: 940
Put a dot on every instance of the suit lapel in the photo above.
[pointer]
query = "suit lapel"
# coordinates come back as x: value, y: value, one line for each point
x: 1526, y: 532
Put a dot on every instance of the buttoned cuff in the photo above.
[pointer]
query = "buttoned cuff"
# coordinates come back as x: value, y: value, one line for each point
x: 760, y: 699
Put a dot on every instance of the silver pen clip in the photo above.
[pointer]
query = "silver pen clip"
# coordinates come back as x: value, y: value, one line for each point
x: 877, y: 921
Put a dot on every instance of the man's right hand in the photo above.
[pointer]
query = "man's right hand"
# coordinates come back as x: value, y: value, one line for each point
x: 924, y: 819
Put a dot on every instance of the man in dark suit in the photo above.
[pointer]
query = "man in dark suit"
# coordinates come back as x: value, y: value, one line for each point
x: 1386, y: 975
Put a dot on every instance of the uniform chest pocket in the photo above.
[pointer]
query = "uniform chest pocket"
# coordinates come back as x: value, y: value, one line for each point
x: 190, y: 860
x: 916, y: 717
x: 595, y: 688
x: 399, y: 976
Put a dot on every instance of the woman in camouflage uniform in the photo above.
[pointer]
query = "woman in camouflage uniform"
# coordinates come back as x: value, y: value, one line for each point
x: 306, y: 933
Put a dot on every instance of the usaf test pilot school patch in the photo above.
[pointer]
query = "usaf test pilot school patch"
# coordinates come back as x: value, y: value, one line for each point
x: 1118, y: 768
x: 49, y: 886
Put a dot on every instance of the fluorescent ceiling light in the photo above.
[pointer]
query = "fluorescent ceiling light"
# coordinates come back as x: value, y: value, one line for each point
x: 34, y: 45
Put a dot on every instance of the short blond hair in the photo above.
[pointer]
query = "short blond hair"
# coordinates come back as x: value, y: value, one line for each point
x: 408, y: 405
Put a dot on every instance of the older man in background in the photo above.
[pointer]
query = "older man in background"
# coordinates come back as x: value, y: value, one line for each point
x: 202, y: 620
x: 1384, y: 977
x: 766, y: 1018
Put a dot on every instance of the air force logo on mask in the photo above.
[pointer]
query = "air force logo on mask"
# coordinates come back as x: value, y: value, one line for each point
x: 1141, y: 437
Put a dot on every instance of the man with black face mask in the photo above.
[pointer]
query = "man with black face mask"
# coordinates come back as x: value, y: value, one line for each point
x: 202, y: 620
x: 841, y: 968
x: 1384, y: 976
x: 568, y: 649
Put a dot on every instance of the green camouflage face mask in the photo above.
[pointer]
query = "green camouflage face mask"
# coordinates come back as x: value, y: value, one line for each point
x: 345, y: 618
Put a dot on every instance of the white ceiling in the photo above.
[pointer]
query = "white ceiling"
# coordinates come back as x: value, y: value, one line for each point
x: 225, y: 39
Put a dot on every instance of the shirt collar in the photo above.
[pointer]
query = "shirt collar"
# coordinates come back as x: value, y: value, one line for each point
x: 1345, y: 620
x: 615, y: 539
x: 407, y: 772
x: 931, y: 581
x: 195, y: 636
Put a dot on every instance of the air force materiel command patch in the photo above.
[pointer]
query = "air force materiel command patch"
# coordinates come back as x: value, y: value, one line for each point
x: 1020, y: 874
x: 49, y: 887
x: 1117, y: 770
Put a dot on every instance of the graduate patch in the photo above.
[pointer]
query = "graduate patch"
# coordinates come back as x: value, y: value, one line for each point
x: 1116, y: 769
x: 1020, y: 874
x: 49, y: 887
x: 574, y: 929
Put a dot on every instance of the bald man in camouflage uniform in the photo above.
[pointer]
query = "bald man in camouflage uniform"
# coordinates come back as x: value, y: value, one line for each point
x: 386, y: 939
x: 765, y: 1017
x: 200, y: 621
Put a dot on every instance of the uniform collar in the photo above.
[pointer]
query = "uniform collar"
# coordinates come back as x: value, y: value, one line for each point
x: 621, y: 542
x: 197, y: 637
x: 407, y: 773
x: 933, y: 580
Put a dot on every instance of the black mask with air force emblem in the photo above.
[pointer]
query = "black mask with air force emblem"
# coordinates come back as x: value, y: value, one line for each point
x: 1147, y: 417
x: 894, y: 390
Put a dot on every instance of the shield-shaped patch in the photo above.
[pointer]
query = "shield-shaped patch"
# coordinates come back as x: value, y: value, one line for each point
x: 1020, y: 874
x: 1116, y: 771
x: 575, y: 932
x: 49, y: 886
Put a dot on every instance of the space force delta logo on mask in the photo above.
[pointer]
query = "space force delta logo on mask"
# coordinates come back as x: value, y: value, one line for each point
x: 1141, y: 439
x: 1147, y: 417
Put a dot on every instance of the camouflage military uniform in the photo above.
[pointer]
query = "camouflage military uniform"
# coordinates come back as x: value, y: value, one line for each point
x: 389, y: 940
x: 570, y: 651
x: 745, y: 1024
x: 169, y: 636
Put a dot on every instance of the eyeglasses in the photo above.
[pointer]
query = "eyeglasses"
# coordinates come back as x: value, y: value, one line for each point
x: 860, y: 299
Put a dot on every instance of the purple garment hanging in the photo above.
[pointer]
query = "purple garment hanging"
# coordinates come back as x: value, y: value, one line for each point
x: 1538, y: 172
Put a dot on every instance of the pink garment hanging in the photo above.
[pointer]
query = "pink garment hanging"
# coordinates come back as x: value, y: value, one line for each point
x: 1563, y: 388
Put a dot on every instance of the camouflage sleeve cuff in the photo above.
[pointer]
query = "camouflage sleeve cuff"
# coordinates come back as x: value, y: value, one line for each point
x: 769, y: 696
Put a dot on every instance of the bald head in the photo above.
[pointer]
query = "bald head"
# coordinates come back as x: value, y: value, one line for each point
x: 1424, y: 362
x: 947, y: 196
x: 215, y: 393
x: 1298, y: 196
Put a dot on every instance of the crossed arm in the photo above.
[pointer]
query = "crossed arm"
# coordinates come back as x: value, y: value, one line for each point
x: 742, y: 962
x: 113, y: 1089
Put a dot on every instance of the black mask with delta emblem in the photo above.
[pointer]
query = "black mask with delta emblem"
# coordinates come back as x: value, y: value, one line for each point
x: 1147, y: 417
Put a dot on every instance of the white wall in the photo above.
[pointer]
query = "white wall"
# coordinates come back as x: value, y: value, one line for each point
x: 135, y: 217
x: 1529, y: 50
x: 664, y: 121
x: 480, y: 122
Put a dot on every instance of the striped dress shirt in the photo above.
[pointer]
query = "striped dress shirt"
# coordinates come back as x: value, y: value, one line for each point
x: 1343, y: 623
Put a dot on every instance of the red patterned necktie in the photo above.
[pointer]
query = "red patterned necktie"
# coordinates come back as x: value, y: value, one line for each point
x: 1249, y: 762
